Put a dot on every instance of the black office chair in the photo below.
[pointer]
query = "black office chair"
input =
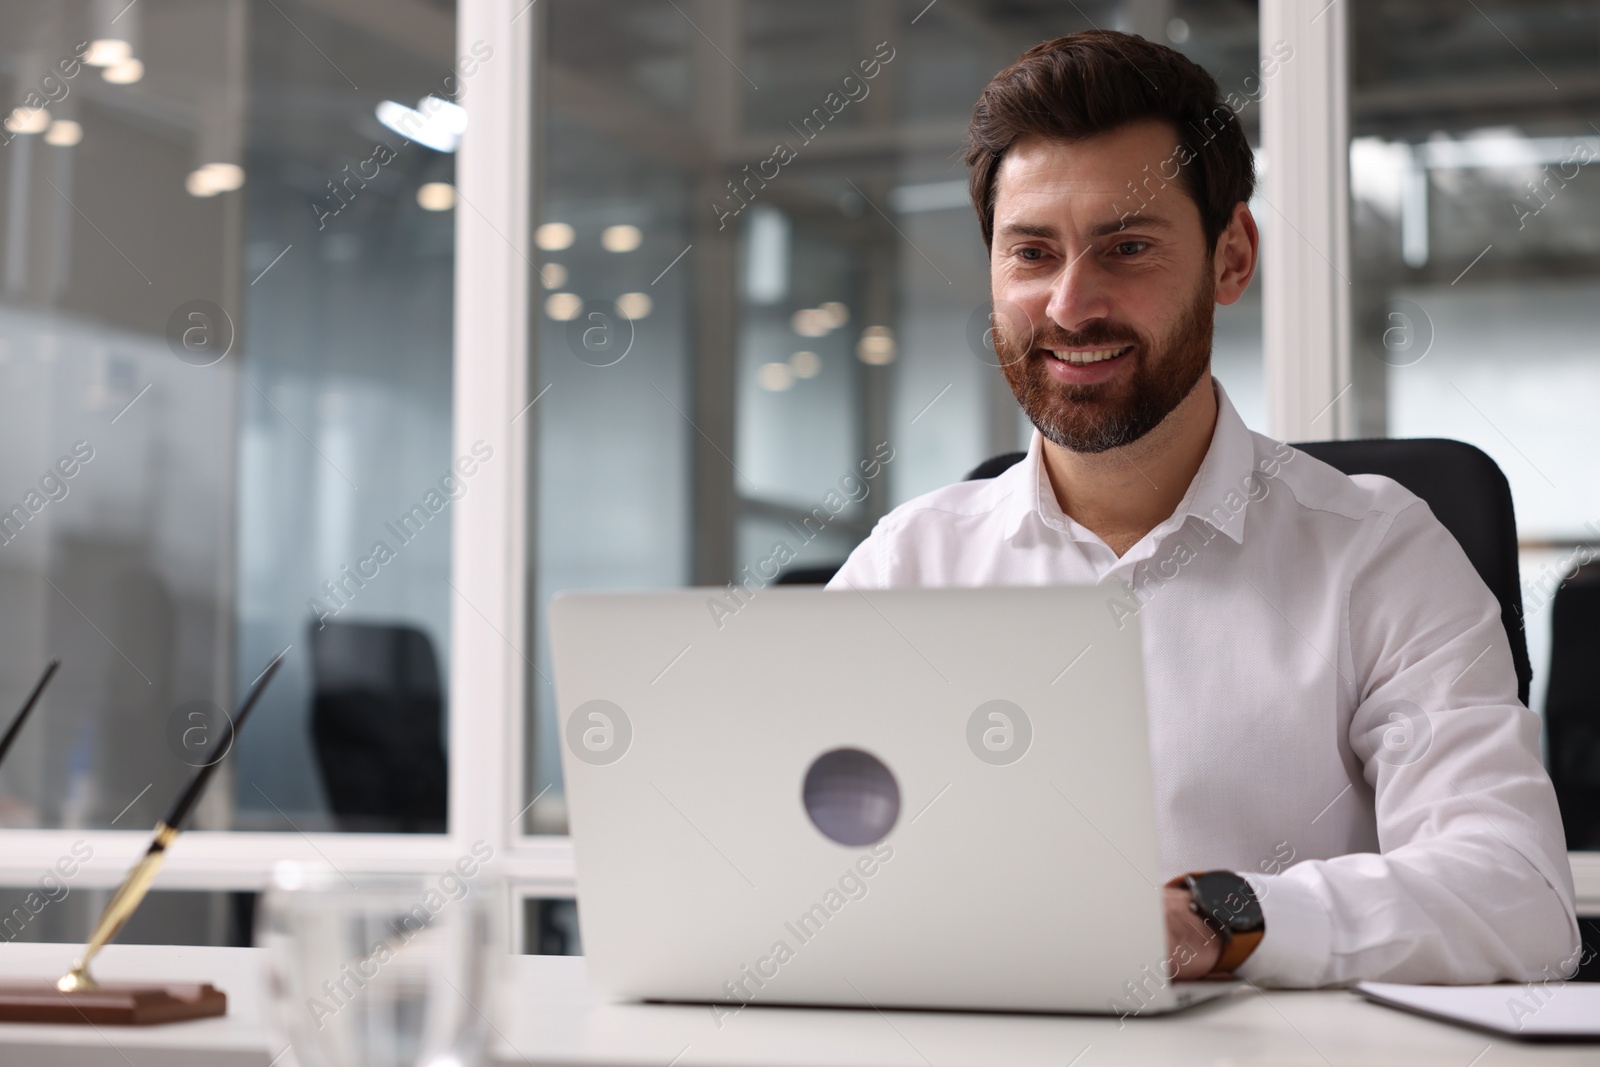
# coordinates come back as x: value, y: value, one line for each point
x: 376, y: 716
x: 821, y: 575
x: 1572, y: 706
x: 1464, y: 488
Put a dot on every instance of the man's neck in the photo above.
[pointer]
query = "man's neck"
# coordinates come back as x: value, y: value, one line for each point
x: 1124, y: 493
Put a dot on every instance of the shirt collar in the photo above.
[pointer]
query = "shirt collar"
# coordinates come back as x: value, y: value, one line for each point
x: 1219, y: 493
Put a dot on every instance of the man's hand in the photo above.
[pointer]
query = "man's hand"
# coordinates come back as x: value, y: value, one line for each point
x: 1193, y: 948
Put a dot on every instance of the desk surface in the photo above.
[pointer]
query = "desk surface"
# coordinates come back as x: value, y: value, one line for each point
x: 551, y: 1019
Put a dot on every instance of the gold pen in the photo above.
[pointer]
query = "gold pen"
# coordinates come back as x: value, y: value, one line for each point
x: 130, y: 894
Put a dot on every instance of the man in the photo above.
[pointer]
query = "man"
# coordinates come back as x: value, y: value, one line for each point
x: 1335, y: 730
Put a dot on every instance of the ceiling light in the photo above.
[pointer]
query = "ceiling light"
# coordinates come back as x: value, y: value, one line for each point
x: 775, y: 377
x: 64, y: 132
x: 563, y: 307
x: 28, y: 120
x: 198, y: 185
x: 554, y: 236
x: 621, y: 238
x: 108, y: 52
x: 125, y: 73
x: 435, y: 123
x: 214, y: 178
x: 876, y: 346
x: 805, y: 364
x: 553, y: 275
x: 436, y: 196
x: 837, y: 313
x: 811, y: 322
x: 225, y: 177
x: 634, y: 305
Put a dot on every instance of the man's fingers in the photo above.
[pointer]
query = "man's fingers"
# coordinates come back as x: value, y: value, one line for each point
x: 1193, y: 947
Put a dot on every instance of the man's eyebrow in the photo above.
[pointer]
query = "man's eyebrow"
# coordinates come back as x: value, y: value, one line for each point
x: 1029, y: 229
x: 1131, y: 220
x: 1102, y: 229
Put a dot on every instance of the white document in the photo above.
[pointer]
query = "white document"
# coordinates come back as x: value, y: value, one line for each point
x: 1533, y: 1010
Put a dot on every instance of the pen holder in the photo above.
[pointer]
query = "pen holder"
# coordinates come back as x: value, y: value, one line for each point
x: 111, y: 1003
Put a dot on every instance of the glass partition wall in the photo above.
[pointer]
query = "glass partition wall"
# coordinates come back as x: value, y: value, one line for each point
x: 1476, y: 251
x: 225, y: 402
x: 762, y: 289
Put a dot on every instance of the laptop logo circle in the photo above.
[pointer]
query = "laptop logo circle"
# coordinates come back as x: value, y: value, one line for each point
x: 851, y: 796
x: 999, y: 732
x: 599, y: 732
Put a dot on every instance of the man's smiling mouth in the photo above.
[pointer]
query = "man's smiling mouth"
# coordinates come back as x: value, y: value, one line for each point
x: 1084, y: 357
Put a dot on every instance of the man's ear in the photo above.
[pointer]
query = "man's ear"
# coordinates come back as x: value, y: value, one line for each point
x: 1233, y: 263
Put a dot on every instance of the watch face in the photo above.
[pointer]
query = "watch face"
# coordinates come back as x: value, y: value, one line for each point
x: 1227, y: 900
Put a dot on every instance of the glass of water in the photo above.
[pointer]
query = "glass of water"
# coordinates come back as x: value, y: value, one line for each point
x: 383, y: 970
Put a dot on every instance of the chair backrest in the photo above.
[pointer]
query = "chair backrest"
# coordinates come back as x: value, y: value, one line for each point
x: 1465, y: 490
x: 376, y: 720
x: 1572, y: 706
x: 818, y: 575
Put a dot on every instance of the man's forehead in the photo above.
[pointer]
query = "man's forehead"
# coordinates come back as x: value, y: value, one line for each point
x: 1100, y: 182
x: 1118, y: 156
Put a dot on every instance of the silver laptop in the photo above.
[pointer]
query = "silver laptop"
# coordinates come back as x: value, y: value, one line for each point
x: 919, y: 798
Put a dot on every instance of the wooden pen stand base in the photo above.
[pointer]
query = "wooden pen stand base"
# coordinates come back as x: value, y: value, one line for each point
x: 113, y: 1004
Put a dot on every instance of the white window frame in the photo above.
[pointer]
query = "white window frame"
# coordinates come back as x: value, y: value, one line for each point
x: 1305, y: 136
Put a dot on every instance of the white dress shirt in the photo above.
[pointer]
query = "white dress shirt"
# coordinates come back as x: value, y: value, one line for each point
x: 1333, y: 709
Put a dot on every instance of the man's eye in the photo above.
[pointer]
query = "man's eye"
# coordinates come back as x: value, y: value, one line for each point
x: 1131, y: 248
x: 1031, y: 253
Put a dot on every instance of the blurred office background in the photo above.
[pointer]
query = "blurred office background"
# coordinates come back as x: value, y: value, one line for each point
x: 723, y: 361
x: 849, y: 313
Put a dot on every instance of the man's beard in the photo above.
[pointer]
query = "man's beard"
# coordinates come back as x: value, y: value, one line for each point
x: 1106, y: 415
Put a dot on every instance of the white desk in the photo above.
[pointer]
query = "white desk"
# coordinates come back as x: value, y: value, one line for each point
x: 552, y: 1020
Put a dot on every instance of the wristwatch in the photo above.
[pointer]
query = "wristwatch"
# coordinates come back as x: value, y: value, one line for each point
x: 1227, y: 904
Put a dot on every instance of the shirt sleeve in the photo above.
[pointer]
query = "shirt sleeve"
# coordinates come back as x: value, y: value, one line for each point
x: 865, y: 568
x: 1471, y: 883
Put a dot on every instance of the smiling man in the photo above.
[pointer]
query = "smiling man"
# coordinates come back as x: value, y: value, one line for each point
x: 1347, y: 785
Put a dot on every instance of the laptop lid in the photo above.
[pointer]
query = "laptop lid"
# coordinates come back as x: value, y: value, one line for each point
x: 910, y: 798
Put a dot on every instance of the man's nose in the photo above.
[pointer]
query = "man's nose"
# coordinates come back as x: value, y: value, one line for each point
x: 1080, y: 292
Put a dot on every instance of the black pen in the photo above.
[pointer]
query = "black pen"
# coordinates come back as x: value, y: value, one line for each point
x: 27, y: 708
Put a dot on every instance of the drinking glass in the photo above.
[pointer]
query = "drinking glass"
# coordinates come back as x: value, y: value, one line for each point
x: 383, y: 970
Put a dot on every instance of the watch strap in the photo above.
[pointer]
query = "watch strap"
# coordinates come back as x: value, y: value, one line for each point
x: 1237, y: 945
x: 1236, y: 949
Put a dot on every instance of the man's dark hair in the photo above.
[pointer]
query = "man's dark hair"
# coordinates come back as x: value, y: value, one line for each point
x: 1097, y: 81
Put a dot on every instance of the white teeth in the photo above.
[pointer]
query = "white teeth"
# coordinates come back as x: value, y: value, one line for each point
x: 1099, y: 355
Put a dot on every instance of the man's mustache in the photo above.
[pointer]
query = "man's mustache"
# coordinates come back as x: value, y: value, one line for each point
x: 1095, y: 335
x: 1100, y: 335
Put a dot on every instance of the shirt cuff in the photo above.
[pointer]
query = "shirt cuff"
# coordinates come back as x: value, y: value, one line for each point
x: 1299, y: 934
